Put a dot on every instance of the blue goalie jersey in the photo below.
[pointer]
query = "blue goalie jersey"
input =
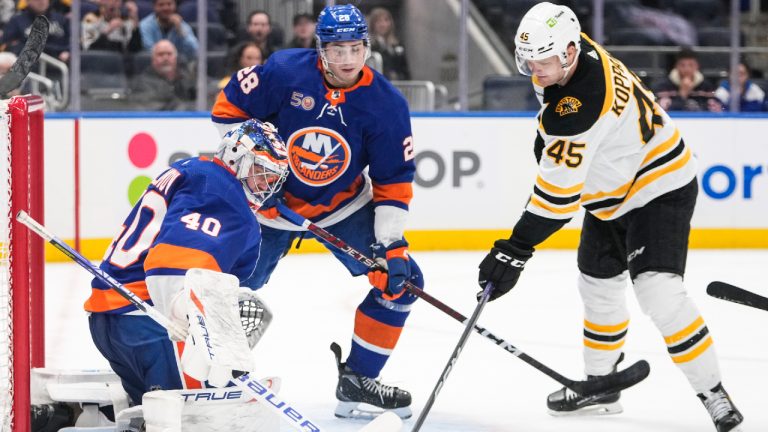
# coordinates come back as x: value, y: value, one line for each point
x: 194, y: 215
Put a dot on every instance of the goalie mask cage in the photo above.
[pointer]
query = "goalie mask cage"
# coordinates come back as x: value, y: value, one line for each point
x: 21, y: 257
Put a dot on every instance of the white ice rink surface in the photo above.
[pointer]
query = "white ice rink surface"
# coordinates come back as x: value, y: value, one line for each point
x: 313, y: 300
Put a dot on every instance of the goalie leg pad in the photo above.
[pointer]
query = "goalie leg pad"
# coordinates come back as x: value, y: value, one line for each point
x: 208, y: 410
x: 663, y: 297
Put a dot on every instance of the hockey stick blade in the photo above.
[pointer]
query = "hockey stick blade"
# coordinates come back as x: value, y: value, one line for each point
x: 614, y: 382
x: 731, y: 293
x: 38, y: 35
x: 385, y: 422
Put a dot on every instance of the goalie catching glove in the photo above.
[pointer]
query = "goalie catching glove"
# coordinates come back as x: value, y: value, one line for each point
x: 392, y: 269
x: 502, y: 266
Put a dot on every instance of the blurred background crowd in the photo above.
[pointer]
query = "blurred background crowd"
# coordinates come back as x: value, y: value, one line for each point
x: 153, y: 55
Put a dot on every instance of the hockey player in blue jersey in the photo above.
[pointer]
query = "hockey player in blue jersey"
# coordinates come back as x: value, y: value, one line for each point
x: 199, y: 213
x: 340, y: 118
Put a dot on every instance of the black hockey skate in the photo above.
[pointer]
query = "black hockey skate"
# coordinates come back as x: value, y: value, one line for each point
x: 722, y: 410
x: 51, y: 417
x: 565, y: 402
x: 363, y: 397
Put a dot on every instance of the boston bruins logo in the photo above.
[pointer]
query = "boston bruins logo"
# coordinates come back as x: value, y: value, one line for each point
x: 567, y: 105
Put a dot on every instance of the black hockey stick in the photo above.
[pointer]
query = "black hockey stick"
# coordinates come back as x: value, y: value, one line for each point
x: 454, y: 356
x: 604, y: 384
x: 28, y: 56
x: 725, y: 291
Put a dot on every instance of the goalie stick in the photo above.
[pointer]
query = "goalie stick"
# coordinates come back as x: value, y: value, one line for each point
x: 604, y: 384
x: 454, y: 356
x: 732, y: 293
x: 28, y: 56
x: 387, y: 422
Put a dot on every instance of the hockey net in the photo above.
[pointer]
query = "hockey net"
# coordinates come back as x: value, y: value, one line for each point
x: 21, y: 257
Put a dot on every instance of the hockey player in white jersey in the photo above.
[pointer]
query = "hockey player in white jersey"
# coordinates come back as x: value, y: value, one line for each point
x: 604, y: 144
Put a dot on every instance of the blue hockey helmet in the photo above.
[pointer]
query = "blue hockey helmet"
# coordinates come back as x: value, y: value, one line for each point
x: 258, y: 157
x: 341, y: 23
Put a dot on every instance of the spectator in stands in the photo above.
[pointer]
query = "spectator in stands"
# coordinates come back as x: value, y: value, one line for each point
x: 165, y: 23
x: 166, y: 85
x: 113, y: 27
x: 303, y: 31
x: 7, y: 9
x: 686, y: 88
x: 16, y: 30
x: 385, y: 42
x: 258, y: 29
x: 751, y: 95
x: 243, y: 55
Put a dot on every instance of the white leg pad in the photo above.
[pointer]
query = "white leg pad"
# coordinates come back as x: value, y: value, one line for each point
x: 206, y: 410
x: 162, y: 411
x: 88, y: 389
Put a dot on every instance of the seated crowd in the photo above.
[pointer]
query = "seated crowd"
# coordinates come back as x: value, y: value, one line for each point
x: 157, y: 40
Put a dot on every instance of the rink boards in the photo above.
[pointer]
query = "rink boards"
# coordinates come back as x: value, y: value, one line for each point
x: 475, y: 172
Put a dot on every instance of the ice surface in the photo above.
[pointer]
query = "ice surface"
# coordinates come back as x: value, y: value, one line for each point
x: 313, y: 300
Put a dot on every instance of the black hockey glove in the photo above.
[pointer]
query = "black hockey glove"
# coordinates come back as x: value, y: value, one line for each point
x: 502, y: 267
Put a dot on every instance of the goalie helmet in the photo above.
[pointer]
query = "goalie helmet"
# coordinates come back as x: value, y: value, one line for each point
x: 258, y: 157
x: 546, y: 30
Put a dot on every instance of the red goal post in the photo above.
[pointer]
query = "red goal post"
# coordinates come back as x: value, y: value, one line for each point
x: 22, y: 324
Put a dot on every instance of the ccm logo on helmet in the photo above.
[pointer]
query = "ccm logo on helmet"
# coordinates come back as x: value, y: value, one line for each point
x: 318, y: 156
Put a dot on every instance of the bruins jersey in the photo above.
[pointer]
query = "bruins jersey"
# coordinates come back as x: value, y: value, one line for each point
x: 603, y: 143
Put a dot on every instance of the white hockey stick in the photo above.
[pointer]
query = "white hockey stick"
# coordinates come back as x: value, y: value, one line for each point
x: 387, y: 422
x: 468, y: 327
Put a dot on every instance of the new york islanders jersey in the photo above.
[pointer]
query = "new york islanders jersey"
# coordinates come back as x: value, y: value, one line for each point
x: 332, y: 134
x: 603, y: 143
x: 193, y: 215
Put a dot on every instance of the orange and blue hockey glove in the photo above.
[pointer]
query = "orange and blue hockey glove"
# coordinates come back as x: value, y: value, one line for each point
x: 392, y: 269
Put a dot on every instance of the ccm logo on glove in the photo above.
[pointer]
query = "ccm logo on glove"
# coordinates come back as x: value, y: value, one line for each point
x: 514, y: 262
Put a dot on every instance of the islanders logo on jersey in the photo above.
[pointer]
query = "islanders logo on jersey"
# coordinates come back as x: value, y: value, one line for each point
x: 568, y: 105
x: 318, y: 156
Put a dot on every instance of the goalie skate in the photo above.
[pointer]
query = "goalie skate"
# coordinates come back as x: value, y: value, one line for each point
x: 565, y: 402
x: 362, y: 397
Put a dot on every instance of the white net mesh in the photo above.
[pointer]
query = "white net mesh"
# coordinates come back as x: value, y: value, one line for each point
x: 6, y: 385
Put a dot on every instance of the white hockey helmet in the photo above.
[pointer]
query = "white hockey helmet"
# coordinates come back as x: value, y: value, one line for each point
x: 546, y: 30
x: 255, y: 143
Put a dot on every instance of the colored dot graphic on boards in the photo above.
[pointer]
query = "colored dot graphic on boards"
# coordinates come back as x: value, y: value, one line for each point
x: 142, y: 152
